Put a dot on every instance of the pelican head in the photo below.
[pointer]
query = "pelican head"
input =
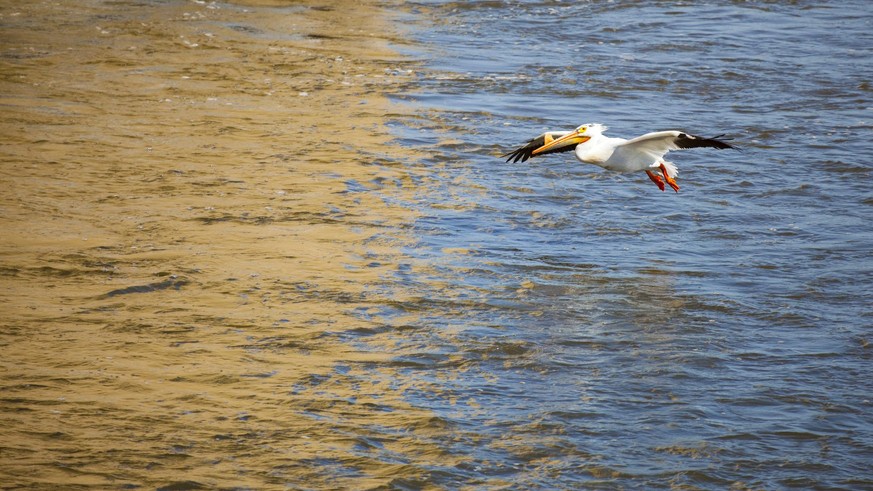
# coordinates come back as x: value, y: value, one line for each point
x: 576, y: 137
x: 592, y: 129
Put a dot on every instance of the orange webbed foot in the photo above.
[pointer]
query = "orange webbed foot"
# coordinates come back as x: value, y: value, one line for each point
x: 669, y: 180
x: 656, y: 179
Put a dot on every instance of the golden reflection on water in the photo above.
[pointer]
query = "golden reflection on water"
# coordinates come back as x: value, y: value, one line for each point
x: 187, y: 223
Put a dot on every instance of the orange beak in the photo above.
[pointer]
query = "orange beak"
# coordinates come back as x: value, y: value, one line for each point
x: 574, y: 138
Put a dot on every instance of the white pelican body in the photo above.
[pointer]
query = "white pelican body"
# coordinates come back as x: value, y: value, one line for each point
x: 643, y: 153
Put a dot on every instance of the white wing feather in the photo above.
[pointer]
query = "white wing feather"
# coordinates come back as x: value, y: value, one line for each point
x: 651, y: 145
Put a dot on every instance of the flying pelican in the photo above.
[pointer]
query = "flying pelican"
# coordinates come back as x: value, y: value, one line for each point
x: 617, y: 154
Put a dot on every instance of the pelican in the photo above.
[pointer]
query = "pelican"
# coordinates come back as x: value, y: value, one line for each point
x: 643, y: 153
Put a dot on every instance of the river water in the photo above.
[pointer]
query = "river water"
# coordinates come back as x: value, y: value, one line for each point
x: 262, y: 245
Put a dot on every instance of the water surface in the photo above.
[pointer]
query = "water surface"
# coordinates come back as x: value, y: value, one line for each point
x: 259, y: 246
x: 627, y: 338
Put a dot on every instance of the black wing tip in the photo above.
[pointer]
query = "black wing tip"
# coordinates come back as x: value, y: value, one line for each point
x: 687, y: 140
x: 516, y: 155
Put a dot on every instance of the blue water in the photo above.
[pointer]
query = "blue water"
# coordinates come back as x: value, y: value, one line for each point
x: 591, y: 330
x: 247, y: 246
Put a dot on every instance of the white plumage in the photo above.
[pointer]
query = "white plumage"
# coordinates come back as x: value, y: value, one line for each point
x: 643, y: 153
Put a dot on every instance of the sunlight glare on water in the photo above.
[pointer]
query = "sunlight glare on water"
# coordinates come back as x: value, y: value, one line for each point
x: 249, y: 245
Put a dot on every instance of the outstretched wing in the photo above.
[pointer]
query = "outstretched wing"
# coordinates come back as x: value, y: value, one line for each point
x: 653, y: 146
x: 525, y: 152
x: 684, y: 140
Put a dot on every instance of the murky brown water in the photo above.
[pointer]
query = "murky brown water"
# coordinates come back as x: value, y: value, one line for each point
x: 179, y: 241
x: 265, y: 245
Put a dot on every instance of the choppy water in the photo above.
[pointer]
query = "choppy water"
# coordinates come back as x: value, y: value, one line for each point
x: 256, y: 246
